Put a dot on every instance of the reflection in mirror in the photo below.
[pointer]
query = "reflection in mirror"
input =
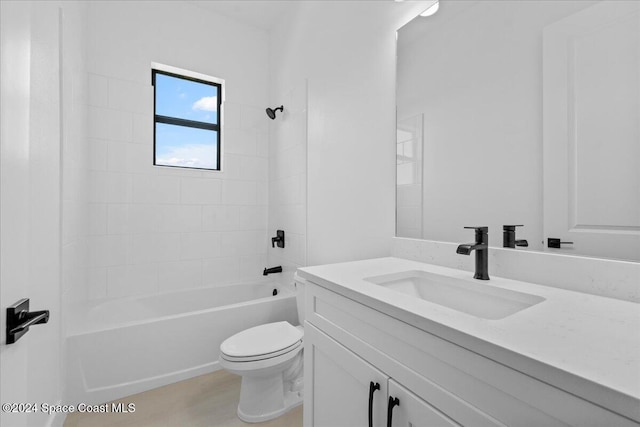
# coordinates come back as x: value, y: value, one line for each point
x: 522, y: 112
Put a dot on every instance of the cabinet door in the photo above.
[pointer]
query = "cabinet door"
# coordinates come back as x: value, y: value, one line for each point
x: 338, y: 385
x: 411, y: 411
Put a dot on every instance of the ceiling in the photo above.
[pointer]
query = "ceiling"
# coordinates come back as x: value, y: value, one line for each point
x: 263, y: 14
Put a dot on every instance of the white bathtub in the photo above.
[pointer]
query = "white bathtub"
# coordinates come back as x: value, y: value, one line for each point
x: 121, y: 347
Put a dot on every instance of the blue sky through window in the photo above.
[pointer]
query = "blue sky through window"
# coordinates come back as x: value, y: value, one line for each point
x: 185, y: 99
x: 185, y: 146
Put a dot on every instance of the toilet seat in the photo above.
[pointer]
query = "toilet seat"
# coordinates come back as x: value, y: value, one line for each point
x: 261, y: 342
x: 261, y: 356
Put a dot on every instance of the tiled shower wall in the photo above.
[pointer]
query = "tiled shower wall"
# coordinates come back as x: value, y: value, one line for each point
x: 288, y: 178
x: 156, y: 229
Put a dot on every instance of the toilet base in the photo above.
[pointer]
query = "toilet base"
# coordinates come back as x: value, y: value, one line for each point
x: 290, y: 401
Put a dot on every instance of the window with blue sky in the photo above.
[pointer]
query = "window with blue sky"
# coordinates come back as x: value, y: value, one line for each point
x: 187, y: 121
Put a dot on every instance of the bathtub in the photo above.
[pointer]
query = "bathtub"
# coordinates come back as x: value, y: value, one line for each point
x: 126, y: 346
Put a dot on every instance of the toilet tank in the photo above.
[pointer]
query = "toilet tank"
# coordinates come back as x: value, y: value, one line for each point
x: 299, y: 284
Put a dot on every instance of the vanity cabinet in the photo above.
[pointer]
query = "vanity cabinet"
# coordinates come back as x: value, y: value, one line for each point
x: 351, y: 347
x: 348, y: 391
x: 344, y: 384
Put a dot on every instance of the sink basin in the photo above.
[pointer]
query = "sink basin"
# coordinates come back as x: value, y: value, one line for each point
x: 470, y: 297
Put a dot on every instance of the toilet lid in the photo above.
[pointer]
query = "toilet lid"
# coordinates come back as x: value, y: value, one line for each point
x: 262, y: 339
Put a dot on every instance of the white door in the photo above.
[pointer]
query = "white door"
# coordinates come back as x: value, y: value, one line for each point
x: 14, y: 128
x: 29, y: 206
x: 342, y: 384
x: 591, y: 120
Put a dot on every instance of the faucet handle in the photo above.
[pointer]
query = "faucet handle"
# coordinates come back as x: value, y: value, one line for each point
x: 483, y: 228
x: 511, y: 227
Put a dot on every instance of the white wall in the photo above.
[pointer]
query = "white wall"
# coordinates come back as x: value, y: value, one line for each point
x: 156, y: 229
x: 346, y: 50
x: 75, y: 154
x: 475, y: 70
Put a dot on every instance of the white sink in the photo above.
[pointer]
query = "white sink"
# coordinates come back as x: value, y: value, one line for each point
x: 468, y: 296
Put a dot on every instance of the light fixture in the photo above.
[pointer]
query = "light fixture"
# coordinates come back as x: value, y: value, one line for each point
x: 431, y: 9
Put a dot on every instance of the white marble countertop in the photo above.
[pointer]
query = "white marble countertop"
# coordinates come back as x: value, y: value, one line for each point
x: 585, y: 344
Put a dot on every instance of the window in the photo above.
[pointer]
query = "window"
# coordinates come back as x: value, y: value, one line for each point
x: 187, y: 116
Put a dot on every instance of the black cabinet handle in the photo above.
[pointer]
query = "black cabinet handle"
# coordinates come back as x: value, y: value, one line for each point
x: 393, y: 401
x: 372, y: 388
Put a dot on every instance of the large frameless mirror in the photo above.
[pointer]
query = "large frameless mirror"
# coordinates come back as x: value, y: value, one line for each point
x: 522, y: 113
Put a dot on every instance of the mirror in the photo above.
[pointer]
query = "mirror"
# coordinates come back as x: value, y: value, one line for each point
x: 522, y: 113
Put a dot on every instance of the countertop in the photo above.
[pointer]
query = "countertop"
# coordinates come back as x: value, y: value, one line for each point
x: 584, y: 344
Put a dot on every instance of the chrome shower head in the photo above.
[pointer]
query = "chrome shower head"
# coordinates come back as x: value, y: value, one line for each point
x: 271, y: 112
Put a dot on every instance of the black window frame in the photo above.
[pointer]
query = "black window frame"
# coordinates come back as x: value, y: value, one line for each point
x: 158, y: 118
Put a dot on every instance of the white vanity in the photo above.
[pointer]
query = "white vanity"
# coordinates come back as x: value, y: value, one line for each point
x: 457, y: 351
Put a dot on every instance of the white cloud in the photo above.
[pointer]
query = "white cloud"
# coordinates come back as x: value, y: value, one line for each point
x: 206, y: 103
x: 193, y: 156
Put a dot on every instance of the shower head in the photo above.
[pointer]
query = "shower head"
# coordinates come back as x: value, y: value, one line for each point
x: 271, y: 112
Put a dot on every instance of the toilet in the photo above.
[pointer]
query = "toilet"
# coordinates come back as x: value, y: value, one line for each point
x: 269, y: 359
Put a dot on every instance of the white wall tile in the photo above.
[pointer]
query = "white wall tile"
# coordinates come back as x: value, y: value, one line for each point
x: 252, y: 217
x: 220, y: 218
x: 97, y: 187
x: 219, y: 271
x: 181, y: 218
x: 127, y: 280
x: 244, y: 242
x: 118, y: 188
x: 163, y: 213
x: 200, y: 245
x: 251, y: 267
x: 179, y: 275
x: 156, y: 189
x: 239, y: 192
x: 97, y: 283
x: 142, y: 129
x: 117, y: 156
x: 232, y: 113
x: 98, y: 90
x: 108, y: 250
x: 139, y: 158
x: 200, y: 191
x: 255, y: 118
x: 262, y: 193
x: 105, y: 123
x: 254, y: 168
x: 145, y: 218
x: 232, y: 168
x: 131, y: 96
x: 149, y: 248
x: 240, y: 142
x: 118, y: 219
x: 98, y: 155
x: 262, y: 144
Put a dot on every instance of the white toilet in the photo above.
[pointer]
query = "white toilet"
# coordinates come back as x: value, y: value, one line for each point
x: 269, y: 359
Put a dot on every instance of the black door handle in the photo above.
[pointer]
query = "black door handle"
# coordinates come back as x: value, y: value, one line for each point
x: 372, y: 388
x: 19, y: 319
x: 393, y: 401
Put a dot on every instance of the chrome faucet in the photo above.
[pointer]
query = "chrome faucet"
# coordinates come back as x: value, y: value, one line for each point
x: 481, y: 246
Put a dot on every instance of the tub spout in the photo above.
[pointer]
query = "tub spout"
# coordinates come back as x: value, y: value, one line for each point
x: 272, y: 270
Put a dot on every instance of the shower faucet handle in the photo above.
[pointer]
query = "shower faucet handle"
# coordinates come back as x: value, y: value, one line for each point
x: 279, y: 239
